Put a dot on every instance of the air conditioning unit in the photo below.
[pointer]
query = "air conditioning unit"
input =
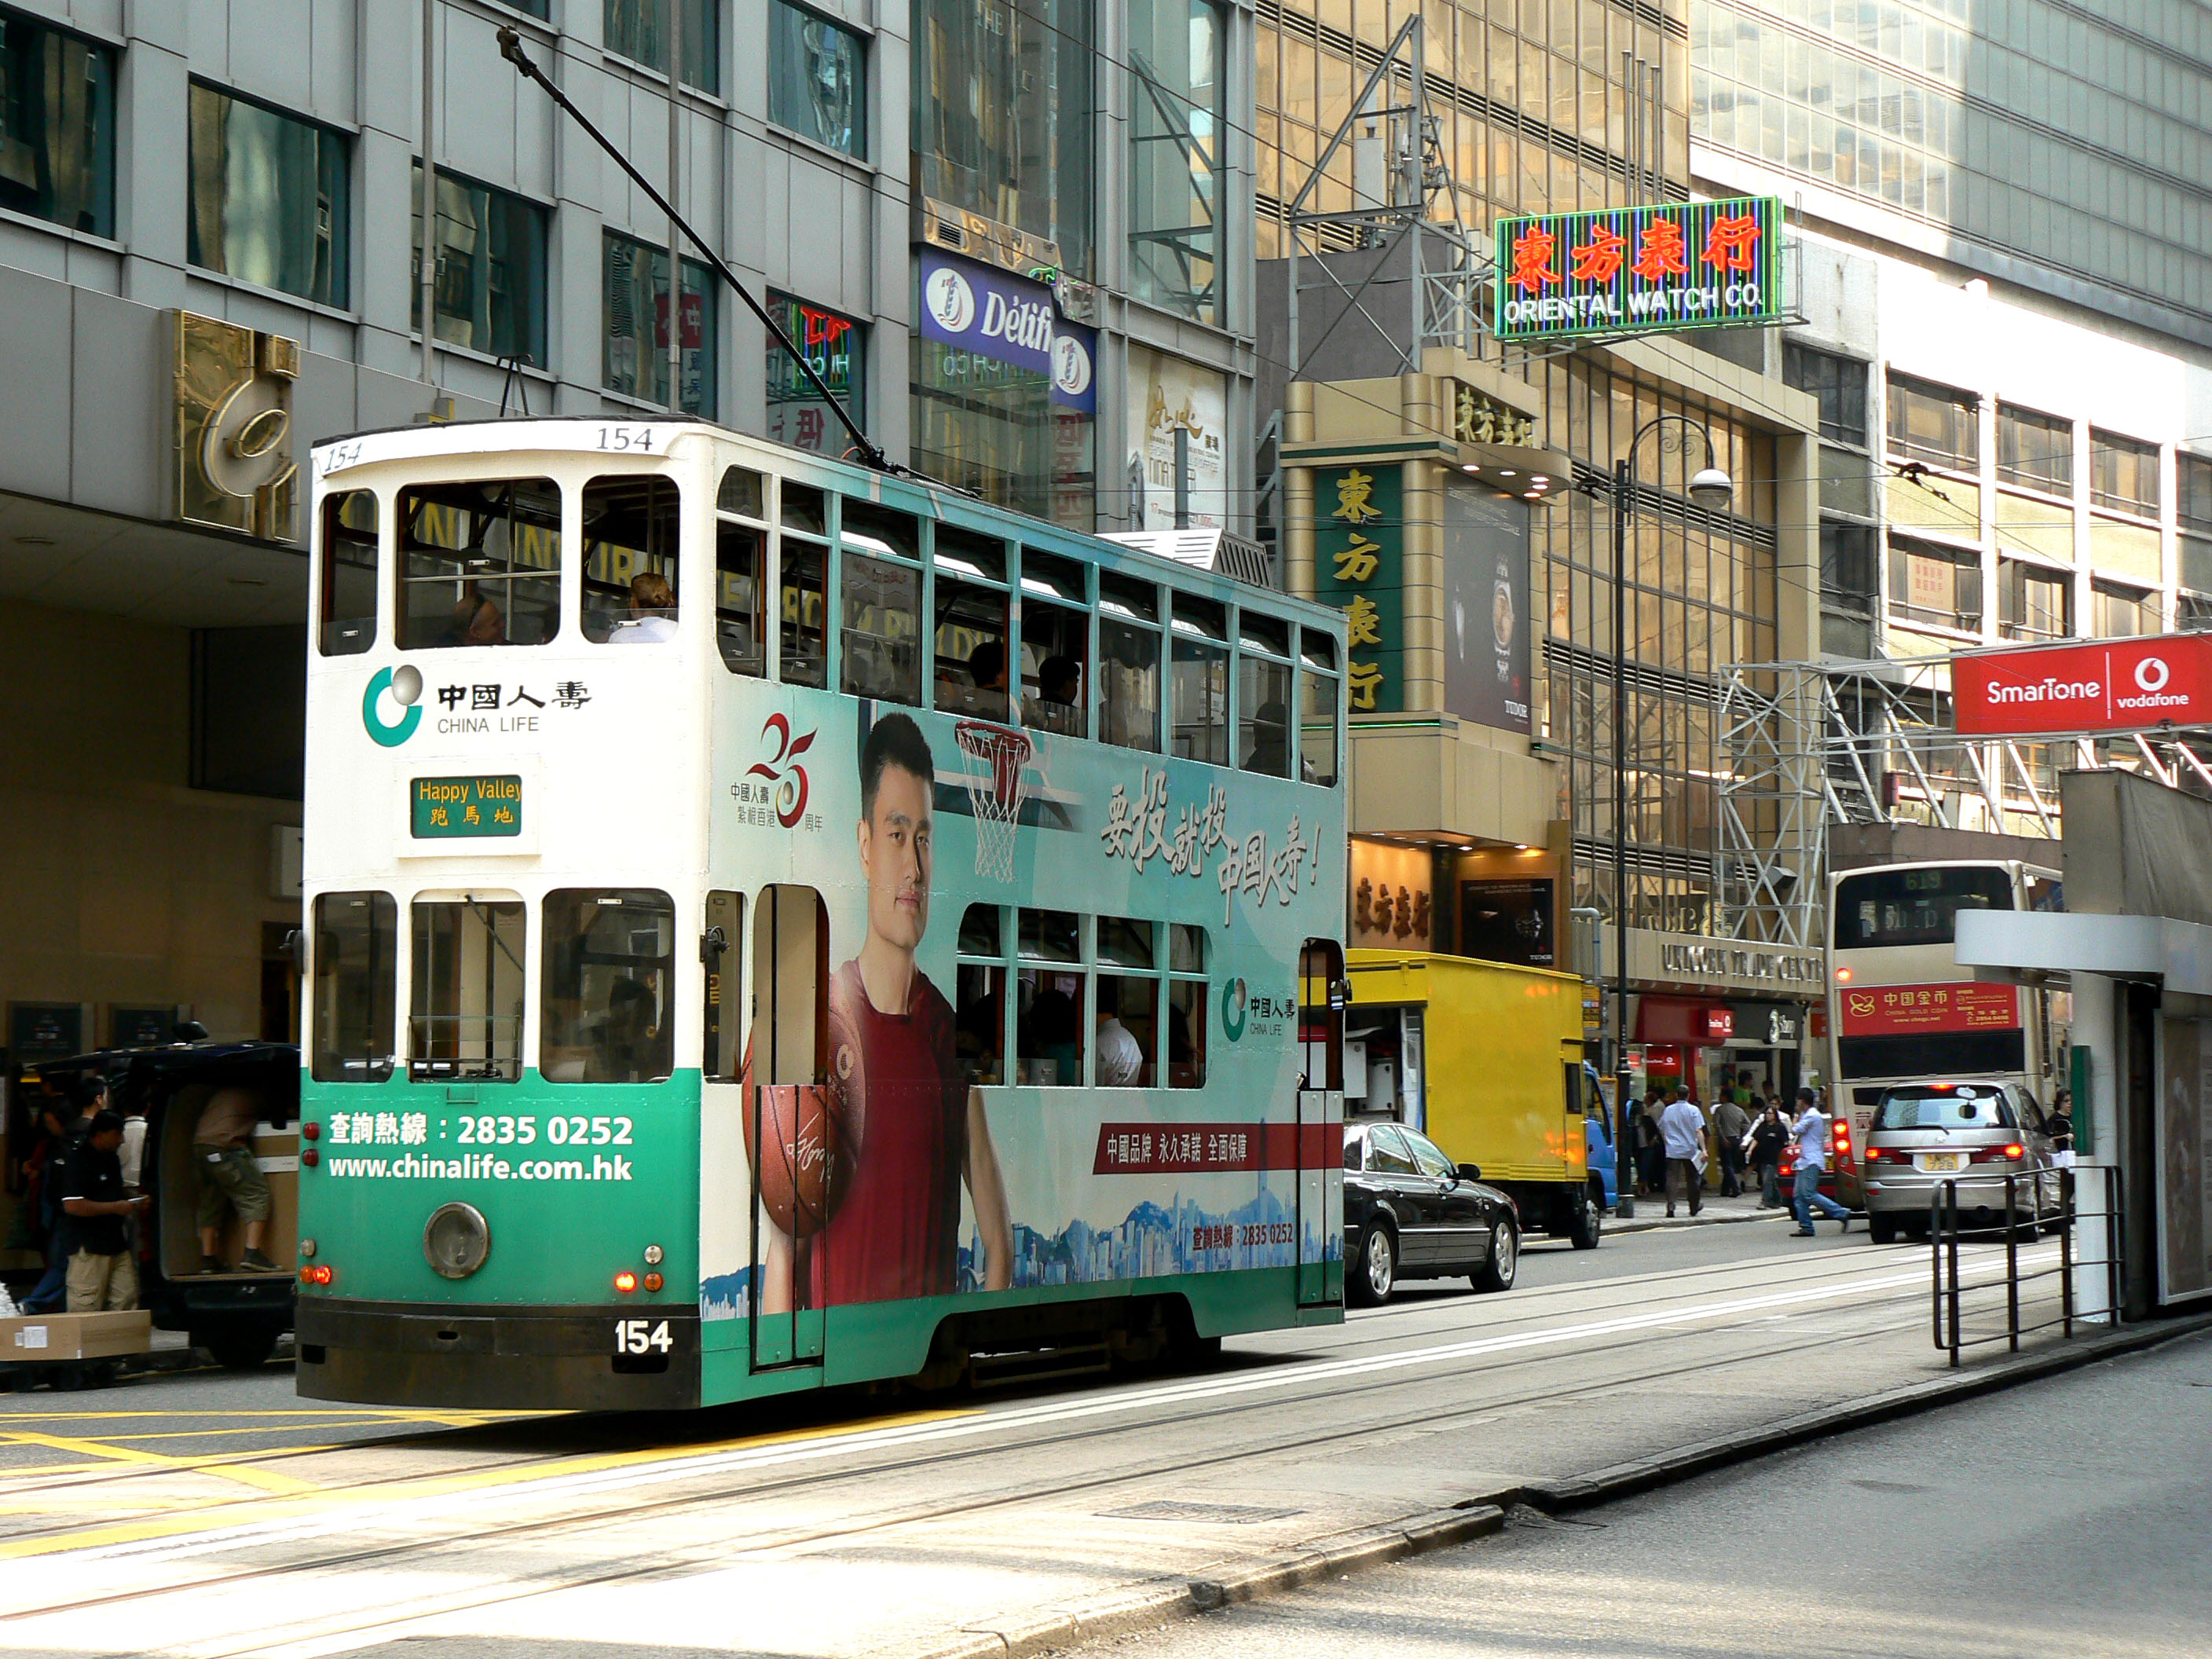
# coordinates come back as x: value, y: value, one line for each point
x: 958, y: 231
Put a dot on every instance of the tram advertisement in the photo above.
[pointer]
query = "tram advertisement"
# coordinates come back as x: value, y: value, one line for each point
x: 944, y: 1144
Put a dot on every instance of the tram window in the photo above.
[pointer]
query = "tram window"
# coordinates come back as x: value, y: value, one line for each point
x: 1317, y: 650
x: 805, y: 508
x: 479, y: 564
x: 1320, y: 1014
x: 1186, y: 1004
x: 791, y: 987
x: 803, y: 659
x: 878, y: 642
x: 1186, y: 948
x: 1049, y: 1032
x: 972, y: 636
x: 1129, y: 670
x: 1056, y: 645
x: 982, y: 995
x: 609, y: 961
x: 1126, y: 1055
x: 1320, y: 703
x: 631, y: 527
x: 741, y: 493
x: 1123, y: 944
x: 875, y: 529
x: 964, y: 553
x: 740, y: 580
x: 349, y: 596
x: 1048, y: 576
x: 1263, y: 707
x: 1202, y: 682
x: 1259, y: 632
x: 722, y: 950
x: 356, y: 950
x: 1051, y: 936
x: 464, y: 1015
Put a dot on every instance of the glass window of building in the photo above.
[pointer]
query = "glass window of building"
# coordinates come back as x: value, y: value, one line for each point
x: 832, y: 346
x: 634, y: 326
x: 56, y: 126
x: 1848, y: 574
x: 2035, y: 452
x: 1002, y: 114
x: 1840, y: 383
x: 268, y: 202
x: 2033, y: 601
x: 491, y: 280
x: 1933, y: 584
x: 1934, y: 425
x: 2194, y: 508
x: 638, y: 29
x: 2122, y: 473
x: 1178, y: 118
x: 818, y: 78
x: 2122, y: 612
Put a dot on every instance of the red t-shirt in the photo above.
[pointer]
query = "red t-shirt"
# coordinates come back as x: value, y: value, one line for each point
x: 897, y: 1232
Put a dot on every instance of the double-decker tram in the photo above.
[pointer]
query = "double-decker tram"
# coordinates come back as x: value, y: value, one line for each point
x: 1900, y: 1008
x: 773, y: 924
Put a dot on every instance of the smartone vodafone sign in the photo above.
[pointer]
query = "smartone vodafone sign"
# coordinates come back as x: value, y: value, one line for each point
x: 2098, y: 685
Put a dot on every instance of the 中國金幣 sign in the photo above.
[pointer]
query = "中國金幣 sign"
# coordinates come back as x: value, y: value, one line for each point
x: 461, y: 807
x: 1623, y: 270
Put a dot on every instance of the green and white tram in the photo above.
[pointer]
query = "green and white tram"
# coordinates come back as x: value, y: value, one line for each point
x: 775, y: 924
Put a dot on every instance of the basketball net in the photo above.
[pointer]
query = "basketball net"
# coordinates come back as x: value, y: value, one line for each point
x: 996, y: 793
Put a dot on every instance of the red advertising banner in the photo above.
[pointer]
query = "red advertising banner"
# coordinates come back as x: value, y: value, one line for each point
x: 2098, y: 685
x: 1898, y: 1010
x: 1199, y: 1148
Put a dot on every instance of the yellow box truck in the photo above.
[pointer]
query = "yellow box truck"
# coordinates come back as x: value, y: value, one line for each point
x: 1487, y: 1060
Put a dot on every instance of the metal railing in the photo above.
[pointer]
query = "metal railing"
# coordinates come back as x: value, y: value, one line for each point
x: 2029, y: 1216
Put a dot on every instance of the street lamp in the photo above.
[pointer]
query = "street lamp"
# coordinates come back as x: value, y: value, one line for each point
x: 1709, y: 487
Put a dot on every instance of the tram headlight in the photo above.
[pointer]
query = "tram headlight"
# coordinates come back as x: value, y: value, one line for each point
x: 653, y: 1255
x: 456, y: 1240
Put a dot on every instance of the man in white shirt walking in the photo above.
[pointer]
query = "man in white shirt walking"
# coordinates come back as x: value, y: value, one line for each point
x: 1682, y: 1128
x: 1811, y: 1134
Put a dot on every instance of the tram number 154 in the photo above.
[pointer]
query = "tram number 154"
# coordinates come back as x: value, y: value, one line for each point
x: 641, y: 1336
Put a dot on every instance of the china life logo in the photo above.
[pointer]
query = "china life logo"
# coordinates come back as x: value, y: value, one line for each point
x: 403, y: 686
x: 951, y: 300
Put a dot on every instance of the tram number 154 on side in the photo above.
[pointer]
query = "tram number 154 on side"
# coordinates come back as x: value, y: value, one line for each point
x: 642, y: 1336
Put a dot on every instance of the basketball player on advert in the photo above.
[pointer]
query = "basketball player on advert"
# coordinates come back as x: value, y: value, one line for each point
x: 921, y: 1128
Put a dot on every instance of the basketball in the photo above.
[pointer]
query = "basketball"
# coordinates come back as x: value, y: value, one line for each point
x: 803, y: 1140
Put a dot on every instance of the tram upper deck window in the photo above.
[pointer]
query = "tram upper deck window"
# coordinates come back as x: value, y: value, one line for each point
x: 1129, y: 661
x: 1320, y: 701
x: 879, y: 626
x: 608, y: 986
x: 740, y: 581
x: 805, y: 508
x: 348, y: 622
x: 972, y: 628
x: 1201, y: 680
x: 465, y: 1012
x: 1055, y: 643
x: 356, y: 948
x: 631, y: 527
x: 1263, y: 693
x: 881, y: 530
x: 741, y: 492
x: 479, y: 564
x: 803, y: 603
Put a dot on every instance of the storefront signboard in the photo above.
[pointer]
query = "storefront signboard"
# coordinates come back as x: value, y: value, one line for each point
x: 2098, y: 685
x: 1643, y: 269
x: 1010, y: 319
x: 1360, y: 568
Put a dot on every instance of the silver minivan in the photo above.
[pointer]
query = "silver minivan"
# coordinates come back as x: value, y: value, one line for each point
x: 1922, y: 1134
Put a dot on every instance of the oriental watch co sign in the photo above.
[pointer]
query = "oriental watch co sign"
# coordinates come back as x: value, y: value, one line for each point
x: 231, y: 420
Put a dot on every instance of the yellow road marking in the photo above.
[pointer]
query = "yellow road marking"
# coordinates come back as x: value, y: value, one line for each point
x: 266, y: 1479
x: 365, y: 1413
x: 324, y: 1501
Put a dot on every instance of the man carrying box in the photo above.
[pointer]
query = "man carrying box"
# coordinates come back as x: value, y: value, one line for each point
x: 102, y: 1276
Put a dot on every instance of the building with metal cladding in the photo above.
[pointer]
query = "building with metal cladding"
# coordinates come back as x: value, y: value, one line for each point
x: 2007, y: 318
x: 1482, y: 825
x: 207, y: 209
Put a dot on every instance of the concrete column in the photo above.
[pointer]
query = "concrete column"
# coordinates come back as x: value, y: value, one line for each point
x: 2096, y: 1125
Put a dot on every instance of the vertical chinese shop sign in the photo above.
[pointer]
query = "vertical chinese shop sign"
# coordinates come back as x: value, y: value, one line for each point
x: 1360, y: 568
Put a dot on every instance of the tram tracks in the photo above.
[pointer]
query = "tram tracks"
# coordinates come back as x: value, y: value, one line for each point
x: 418, y: 1553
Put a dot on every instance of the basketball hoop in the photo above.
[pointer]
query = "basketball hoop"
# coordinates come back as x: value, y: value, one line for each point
x: 996, y: 793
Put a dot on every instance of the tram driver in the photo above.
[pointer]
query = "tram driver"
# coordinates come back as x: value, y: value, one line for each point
x: 893, y: 1043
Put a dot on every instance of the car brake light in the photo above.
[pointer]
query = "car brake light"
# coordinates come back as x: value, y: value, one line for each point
x: 2011, y: 1154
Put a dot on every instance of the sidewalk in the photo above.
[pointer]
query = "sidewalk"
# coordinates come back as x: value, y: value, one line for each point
x: 1651, y: 1213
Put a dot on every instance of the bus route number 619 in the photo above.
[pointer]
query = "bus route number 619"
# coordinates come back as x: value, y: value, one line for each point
x: 641, y: 1336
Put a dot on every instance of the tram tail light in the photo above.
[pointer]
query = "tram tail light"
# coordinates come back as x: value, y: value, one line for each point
x: 319, y: 1274
x: 625, y: 1281
x: 654, y: 1281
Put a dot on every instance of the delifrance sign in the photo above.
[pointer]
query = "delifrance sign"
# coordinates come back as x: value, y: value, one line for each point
x: 2101, y: 685
x: 1011, y: 320
x: 1626, y: 271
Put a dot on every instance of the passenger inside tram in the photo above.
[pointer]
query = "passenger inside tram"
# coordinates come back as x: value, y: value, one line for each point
x: 652, y: 619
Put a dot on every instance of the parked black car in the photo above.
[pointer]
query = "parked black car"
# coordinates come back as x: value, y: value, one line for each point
x: 235, y: 1314
x: 1410, y: 1213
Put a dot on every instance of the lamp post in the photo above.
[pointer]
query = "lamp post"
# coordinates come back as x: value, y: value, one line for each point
x: 1710, y: 488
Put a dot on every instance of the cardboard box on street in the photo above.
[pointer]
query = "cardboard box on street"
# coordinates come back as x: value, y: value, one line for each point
x: 39, y: 1337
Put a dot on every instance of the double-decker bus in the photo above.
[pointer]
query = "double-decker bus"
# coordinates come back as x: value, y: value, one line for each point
x: 1900, y: 1008
x: 773, y: 924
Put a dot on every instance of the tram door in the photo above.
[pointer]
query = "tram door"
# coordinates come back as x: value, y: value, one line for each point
x: 792, y: 1132
x: 1322, y: 992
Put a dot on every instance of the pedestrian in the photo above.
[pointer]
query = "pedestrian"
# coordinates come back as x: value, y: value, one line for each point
x: 230, y: 1179
x: 65, y: 1119
x: 1650, y: 1146
x: 2059, y: 1125
x: 1768, y: 1137
x: 1731, y: 1123
x: 1811, y: 1133
x: 102, y: 1276
x: 1683, y: 1126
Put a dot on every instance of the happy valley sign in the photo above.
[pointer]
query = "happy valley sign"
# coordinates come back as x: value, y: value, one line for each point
x: 1012, y: 320
x: 1625, y: 271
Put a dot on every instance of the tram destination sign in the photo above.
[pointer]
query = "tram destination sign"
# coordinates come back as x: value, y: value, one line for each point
x: 457, y: 808
x: 1644, y: 270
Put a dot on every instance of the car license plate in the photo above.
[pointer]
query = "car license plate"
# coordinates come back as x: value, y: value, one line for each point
x: 1939, y: 1163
